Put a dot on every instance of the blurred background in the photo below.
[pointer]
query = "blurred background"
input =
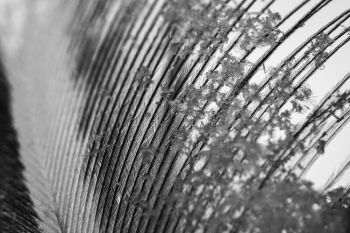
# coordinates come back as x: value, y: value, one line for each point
x: 23, y: 39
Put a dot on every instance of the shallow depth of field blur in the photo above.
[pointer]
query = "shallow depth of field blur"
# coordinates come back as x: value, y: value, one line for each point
x: 17, y: 16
